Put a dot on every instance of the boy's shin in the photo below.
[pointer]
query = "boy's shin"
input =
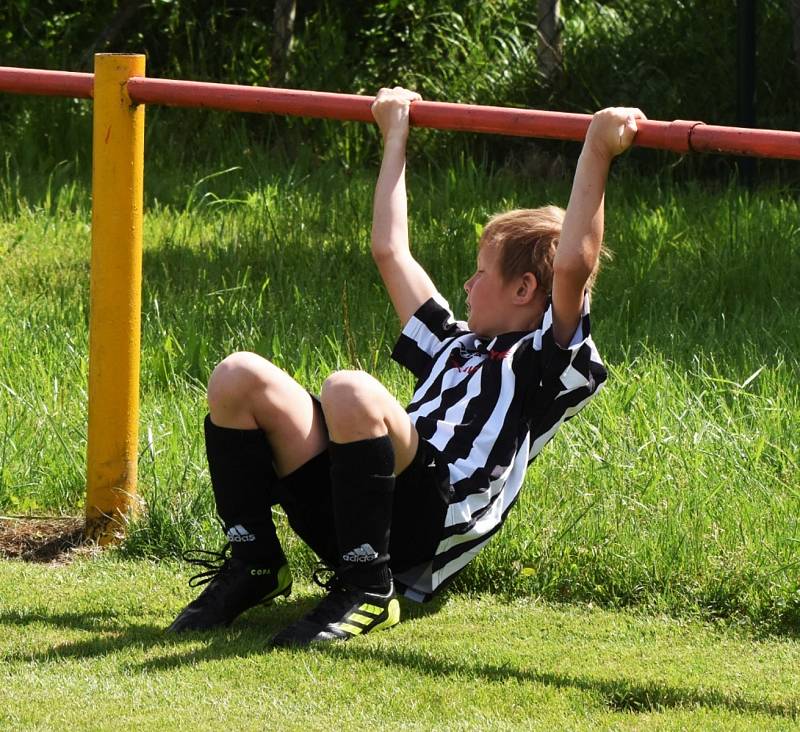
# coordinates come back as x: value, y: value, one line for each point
x: 362, y: 483
x: 243, y: 480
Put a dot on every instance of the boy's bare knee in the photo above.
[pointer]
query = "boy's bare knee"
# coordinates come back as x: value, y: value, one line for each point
x: 358, y: 407
x: 234, y: 378
x: 349, y: 395
x: 344, y: 387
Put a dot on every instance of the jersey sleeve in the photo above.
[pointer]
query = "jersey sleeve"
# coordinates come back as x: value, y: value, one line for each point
x: 568, y: 377
x: 425, y: 334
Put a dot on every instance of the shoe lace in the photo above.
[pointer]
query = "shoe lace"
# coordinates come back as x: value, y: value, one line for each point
x: 325, y: 576
x: 338, y: 597
x: 330, y: 578
x: 215, y: 564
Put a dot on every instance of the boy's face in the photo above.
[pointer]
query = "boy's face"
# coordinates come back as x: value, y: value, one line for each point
x: 489, y: 296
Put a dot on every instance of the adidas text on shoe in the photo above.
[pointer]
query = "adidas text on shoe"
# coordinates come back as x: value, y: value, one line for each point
x: 233, y: 587
x: 341, y: 615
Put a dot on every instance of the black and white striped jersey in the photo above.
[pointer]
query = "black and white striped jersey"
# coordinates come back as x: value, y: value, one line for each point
x: 487, y: 407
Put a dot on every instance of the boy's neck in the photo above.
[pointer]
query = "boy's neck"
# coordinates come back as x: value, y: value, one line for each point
x: 531, y: 318
x: 535, y: 319
x: 525, y: 320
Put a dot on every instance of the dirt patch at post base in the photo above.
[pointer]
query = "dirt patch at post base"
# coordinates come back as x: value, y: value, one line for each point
x: 46, y: 539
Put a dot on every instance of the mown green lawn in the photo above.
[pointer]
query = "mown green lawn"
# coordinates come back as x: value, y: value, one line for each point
x: 82, y: 647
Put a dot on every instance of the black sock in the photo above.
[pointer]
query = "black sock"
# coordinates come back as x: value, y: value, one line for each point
x: 243, y: 479
x: 305, y: 496
x: 362, y: 483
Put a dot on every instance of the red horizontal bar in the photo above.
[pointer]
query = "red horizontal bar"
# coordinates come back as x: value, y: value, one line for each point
x: 47, y: 83
x: 679, y: 136
x: 258, y: 99
x: 356, y: 108
x: 745, y: 141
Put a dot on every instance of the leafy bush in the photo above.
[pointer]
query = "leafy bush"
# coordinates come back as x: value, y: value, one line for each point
x: 669, y: 58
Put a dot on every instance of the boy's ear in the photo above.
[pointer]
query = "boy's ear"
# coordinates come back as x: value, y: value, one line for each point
x: 526, y: 289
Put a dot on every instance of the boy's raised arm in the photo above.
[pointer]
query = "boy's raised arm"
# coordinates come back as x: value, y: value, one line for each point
x: 406, y: 281
x: 610, y: 133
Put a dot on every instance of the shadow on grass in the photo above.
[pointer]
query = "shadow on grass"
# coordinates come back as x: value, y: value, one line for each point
x: 619, y: 694
x: 250, y: 634
x: 111, y: 633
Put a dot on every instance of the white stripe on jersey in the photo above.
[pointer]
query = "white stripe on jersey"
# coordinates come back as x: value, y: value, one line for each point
x: 453, y: 416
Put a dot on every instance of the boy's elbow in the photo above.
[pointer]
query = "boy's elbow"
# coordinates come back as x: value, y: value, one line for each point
x: 575, y: 270
x: 385, y: 257
x: 380, y: 254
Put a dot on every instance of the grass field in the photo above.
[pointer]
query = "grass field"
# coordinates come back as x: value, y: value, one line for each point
x: 82, y: 648
x: 676, y: 491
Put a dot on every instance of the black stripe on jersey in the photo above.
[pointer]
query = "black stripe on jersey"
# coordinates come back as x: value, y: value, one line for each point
x: 593, y: 371
x: 501, y: 454
x: 409, y: 354
x: 434, y: 391
x: 553, y: 367
x: 478, y: 482
x: 510, y: 431
x: 434, y: 388
x: 438, y: 320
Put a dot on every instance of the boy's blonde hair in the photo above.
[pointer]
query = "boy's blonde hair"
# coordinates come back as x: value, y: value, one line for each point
x: 526, y: 240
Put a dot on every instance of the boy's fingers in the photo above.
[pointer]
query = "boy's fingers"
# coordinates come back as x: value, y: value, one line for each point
x: 403, y: 90
x: 393, y: 97
x: 398, y: 92
x: 629, y: 127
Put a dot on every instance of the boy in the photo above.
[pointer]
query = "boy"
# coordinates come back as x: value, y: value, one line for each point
x: 396, y: 499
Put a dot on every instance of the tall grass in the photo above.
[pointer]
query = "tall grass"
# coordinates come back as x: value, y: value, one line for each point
x: 677, y: 489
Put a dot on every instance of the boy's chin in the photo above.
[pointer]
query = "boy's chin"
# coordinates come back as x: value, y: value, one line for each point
x: 475, y: 328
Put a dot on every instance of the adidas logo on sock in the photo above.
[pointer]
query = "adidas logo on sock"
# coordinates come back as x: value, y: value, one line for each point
x: 363, y: 553
x: 239, y: 533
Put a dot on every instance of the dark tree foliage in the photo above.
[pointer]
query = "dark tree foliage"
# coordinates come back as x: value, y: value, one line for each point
x: 674, y: 58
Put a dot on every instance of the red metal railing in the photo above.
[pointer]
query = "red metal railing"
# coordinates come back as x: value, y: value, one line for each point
x: 679, y: 136
x: 46, y: 83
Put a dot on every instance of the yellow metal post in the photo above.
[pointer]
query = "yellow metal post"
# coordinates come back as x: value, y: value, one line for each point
x: 116, y: 294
